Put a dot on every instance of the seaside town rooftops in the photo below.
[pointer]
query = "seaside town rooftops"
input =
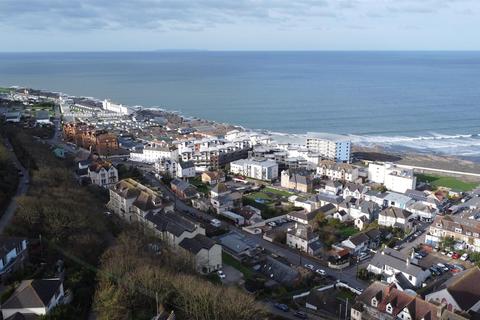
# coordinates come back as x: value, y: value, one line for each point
x: 464, y: 287
x: 359, y: 239
x: 145, y: 198
x: 396, y: 212
x: 171, y: 222
x: 397, y: 197
x: 303, y: 232
x: 394, y: 259
x: 97, y: 166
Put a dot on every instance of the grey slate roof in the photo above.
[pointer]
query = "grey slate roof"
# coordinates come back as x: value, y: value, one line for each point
x: 197, y: 243
x: 395, y: 260
x: 33, y: 294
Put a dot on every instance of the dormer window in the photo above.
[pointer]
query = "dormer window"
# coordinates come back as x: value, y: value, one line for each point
x: 374, y: 302
x: 389, y: 308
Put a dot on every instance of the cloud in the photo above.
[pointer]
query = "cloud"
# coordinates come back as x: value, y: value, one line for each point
x: 193, y: 15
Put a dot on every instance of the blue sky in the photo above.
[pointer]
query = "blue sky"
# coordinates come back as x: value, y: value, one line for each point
x: 99, y: 25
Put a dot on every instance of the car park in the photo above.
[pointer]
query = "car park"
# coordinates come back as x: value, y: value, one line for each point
x: 281, y: 306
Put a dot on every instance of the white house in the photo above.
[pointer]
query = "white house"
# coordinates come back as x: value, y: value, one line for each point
x: 257, y: 169
x: 36, y: 297
x: 397, y: 268
x: 356, y: 243
x: 154, y: 152
x: 303, y: 238
x: 13, y: 254
x: 103, y: 173
x: 398, y: 200
x: 185, y: 169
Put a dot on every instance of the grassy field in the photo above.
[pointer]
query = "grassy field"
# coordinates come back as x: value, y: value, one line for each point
x: 231, y: 261
x: 5, y: 90
x: 447, y: 182
x: 278, y: 192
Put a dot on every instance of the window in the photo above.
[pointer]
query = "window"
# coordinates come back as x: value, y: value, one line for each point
x: 389, y: 308
x: 374, y: 302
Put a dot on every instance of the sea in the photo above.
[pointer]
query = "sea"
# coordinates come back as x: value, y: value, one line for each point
x: 420, y: 101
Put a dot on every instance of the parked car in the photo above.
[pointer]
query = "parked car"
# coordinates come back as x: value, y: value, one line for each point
x: 281, y: 306
x: 464, y: 257
x: 423, y: 253
x: 455, y: 256
x: 300, y: 315
x: 221, y: 274
x: 309, y: 266
x: 397, y: 247
x: 321, y: 272
x: 418, y: 256
x: 434, y: 271
x: 450, y: 254
x: 443, y: 252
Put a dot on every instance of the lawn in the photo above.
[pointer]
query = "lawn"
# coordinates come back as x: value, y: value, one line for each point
x: 231, y: 261
x: 201, y: 187
x: 347, y: 231
x: 447, y: 182
x: 258, y: 195
x: 5, y: 90
x: 278, y: 192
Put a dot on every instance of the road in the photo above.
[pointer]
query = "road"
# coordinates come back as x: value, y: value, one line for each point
x: 22, y: 188
x: 293, y: 256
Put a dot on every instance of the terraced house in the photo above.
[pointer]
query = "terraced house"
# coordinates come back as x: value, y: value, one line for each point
x: 463, y: 227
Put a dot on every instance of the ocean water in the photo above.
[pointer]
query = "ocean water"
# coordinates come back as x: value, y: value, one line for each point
x: 427, y: 101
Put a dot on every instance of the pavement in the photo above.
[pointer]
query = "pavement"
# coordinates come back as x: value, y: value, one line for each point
x: 232, y: 275
x: 22, y: 188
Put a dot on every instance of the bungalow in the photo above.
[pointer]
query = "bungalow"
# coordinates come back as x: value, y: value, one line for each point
x: 207, y: 253
x: 33, y: 298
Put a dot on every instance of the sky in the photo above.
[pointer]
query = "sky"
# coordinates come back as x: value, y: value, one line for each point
x: 138, y: 25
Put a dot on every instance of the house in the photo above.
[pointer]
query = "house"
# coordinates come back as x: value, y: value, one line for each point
x: 341, y: 215
x: 398, y: 268
x: 303, y: 238
x: 42, y: 117
x: 398, y: 200
x: 354, y: 190
x: 13, y: 255
x: 34, y: 297
x: 223, y: 199
x: 356, y: 243
x: 361, y: 223
x: 368, y: 209
x: 459, y: 293
x: 375, y: 238
x: 463, y: 227
x: 386, y: 301
x: 264, y: 169
x: 103, y: 173
x: 185, y: 169
x: 337, y: 171
x: 172, y: 228
x: 393, y: 177
x: 213, y: 177
x: 155, y: 152
x: 422, y: 210
x: 133, y: 201
x: 166, y: 167
x: 13, y: 116
x: 302, y: 216
x: 332, y: 187
x: 206, y: 252
x: 298, y: 180
x: 395, y: 217
x: 183, y: 189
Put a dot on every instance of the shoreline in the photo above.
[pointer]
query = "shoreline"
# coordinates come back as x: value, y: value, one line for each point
x: 397, y: 153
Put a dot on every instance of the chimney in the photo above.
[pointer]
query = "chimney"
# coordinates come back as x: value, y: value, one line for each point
x: 440, y: 309
x: 407, y: 262
x: 389, y: 288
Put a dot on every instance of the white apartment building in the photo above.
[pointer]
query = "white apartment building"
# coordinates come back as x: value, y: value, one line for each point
x: 117, y: 108
x: 392, y: 177
x: 154, y: 152
x: 333, y: 147
x: 257, y: 169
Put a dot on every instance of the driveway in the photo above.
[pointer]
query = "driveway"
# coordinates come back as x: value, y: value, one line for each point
x: 232, y: 275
